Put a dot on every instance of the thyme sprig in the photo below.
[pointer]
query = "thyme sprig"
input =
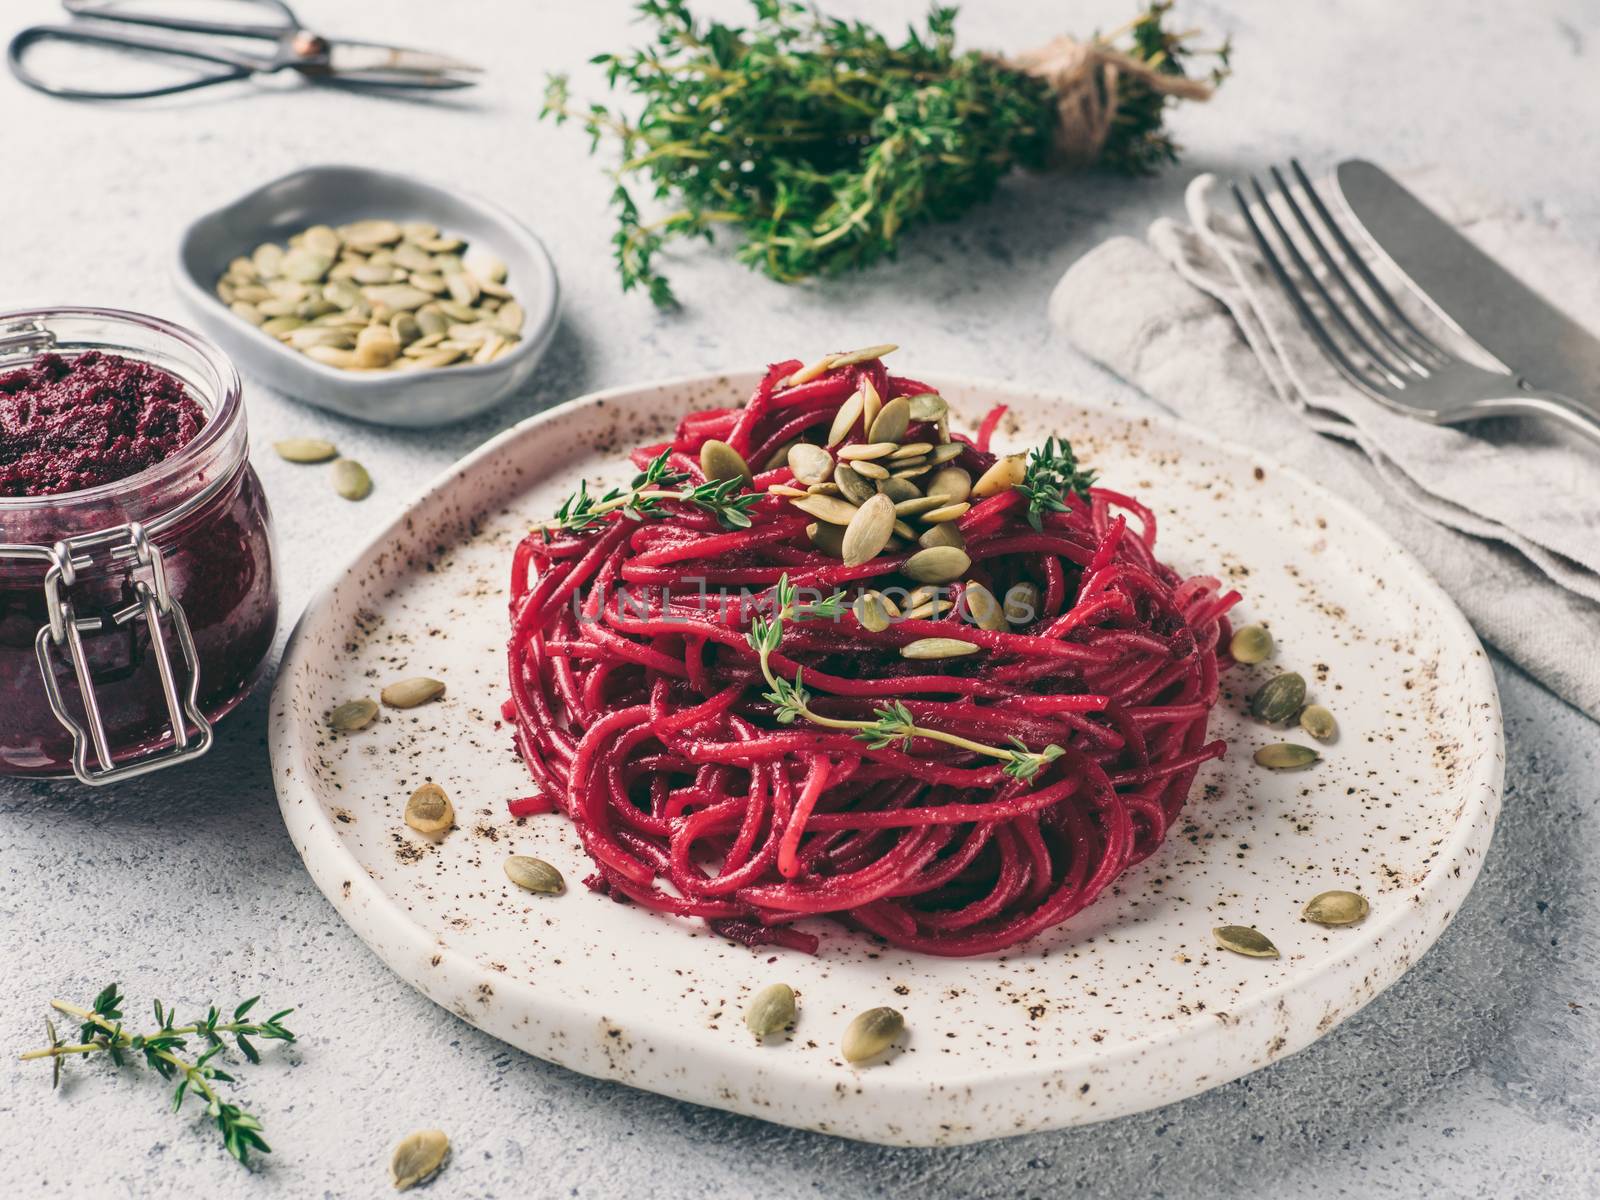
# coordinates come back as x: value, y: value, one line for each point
x: 1052, y: 475
x: 641, y: 500
x: 893, y: 722
x: 822, y: 141
x: 102, y: 1032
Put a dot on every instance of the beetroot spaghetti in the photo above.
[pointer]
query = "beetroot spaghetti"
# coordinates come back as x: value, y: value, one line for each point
x: 880, y: 674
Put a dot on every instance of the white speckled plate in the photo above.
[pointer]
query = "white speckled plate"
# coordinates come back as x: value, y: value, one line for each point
x: 1127, y: 1007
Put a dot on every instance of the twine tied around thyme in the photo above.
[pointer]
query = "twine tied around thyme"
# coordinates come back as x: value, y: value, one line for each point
x: 1085, y: 77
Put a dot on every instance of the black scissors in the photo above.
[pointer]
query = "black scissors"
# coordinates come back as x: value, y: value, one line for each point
x: 320, y: 59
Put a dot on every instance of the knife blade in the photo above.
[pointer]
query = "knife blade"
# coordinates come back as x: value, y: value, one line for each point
x: 1539, y: 343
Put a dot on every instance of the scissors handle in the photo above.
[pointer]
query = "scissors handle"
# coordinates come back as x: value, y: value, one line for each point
x: 236, y: 66
x: 109, y: 10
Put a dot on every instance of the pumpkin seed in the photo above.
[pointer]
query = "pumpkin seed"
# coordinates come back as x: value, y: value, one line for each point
x: 1241, y: 939
x: 267, y: 259
x: 866, y: 450
x: 418, y: 231
x: 948, y: 534
x: 870, y: 354
x: 350, y: 480
x: 831, y: 509
x: 1279, y: 699
x: 1003, y: 476
x: 305, y: 450
x: 1337, y: 908
x: 405, y: 328
x: 485, y: 268
x: 898, y: 490
x: 845, y: 419
x: 827, y: 538
x: 442, y: 357
x: 463, y: 288
x: 249, y: 312
x: 353, y: 715
x: 408, y: 693
x: 984, y: 609
x: 721, y: 461
x: 949, y: 512
x: 952, y: 483
x: 771, y: 1011
x: 871, y: 1033
x: 807, y: 373
x: 322, y: 240
x: 1286, y: 756
x: 937, y: 647
x: 871, y: 403
x: 1022, y: 603
x: 911, y: 450
x: 510, y: 317
x: 871, y: 611
x: 891, y: 421
x: 1250, y: 644
x: 928, y: 406
x: 331, y: 356
x: 306, y: 266
x: 429, y: 810
x: 371, y: 233
x: 946, y: 453
x: 376, y: 346
x: 810, y: 464
x: 852, y: 484
x: 278, y: 326
x: 400, y: 297
x: 783, y: 489
x: 931, y: 611
x: 366, y: 273
x: 869, y: 531
x: 1318, y: 722
x: 870, y: 470
x: 937, y: 564
x: 534, y: 875
x: 418, y: 1158
x: 917, y: 505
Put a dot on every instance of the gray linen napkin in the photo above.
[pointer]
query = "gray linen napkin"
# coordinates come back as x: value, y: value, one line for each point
x: 1506, y: 514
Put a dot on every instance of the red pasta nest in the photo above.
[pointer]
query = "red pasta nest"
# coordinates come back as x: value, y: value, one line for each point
x: 641, y: 711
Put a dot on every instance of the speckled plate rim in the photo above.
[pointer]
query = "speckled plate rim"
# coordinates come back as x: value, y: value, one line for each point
x: 882, y: 1110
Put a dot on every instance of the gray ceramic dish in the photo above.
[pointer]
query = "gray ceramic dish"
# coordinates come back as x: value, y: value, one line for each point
x: 332, y: 196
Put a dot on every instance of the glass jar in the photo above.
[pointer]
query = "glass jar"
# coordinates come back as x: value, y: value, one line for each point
x: 136, y: 613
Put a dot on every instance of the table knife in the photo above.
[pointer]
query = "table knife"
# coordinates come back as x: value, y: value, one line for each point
x: 1532, y: 338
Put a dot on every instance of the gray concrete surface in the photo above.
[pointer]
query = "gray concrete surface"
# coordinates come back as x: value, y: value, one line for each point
x: 1474, y: 1076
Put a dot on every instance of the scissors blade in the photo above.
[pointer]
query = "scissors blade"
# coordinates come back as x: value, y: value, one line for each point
x: 377, y: 65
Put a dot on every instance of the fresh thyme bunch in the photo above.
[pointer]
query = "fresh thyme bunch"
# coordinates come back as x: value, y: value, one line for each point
x: 822, y: 141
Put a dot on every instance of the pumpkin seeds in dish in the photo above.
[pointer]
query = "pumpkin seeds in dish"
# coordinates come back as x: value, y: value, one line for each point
x: 363, y: 274
x: 1337, y: 908
x: 429, y: 810
x: 534, y: 875
x: 1241, y: 939
x: 772, y: 1010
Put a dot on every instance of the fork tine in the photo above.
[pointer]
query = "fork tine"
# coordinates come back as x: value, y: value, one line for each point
x: 1355, y: 259
x: 1308, y: 318
x: 1391, y: 371
x: 1357, y: 301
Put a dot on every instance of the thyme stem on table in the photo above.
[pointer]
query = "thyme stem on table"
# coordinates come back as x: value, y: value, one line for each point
x: 102, y: 1032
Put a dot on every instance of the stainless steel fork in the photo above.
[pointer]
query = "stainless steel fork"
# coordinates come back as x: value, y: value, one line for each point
x: 1367, y: 336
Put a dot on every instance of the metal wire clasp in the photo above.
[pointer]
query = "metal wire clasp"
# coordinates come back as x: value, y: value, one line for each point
x: 123, y: 545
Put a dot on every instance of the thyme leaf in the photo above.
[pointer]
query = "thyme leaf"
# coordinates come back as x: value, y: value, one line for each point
x: 1052, y: 475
